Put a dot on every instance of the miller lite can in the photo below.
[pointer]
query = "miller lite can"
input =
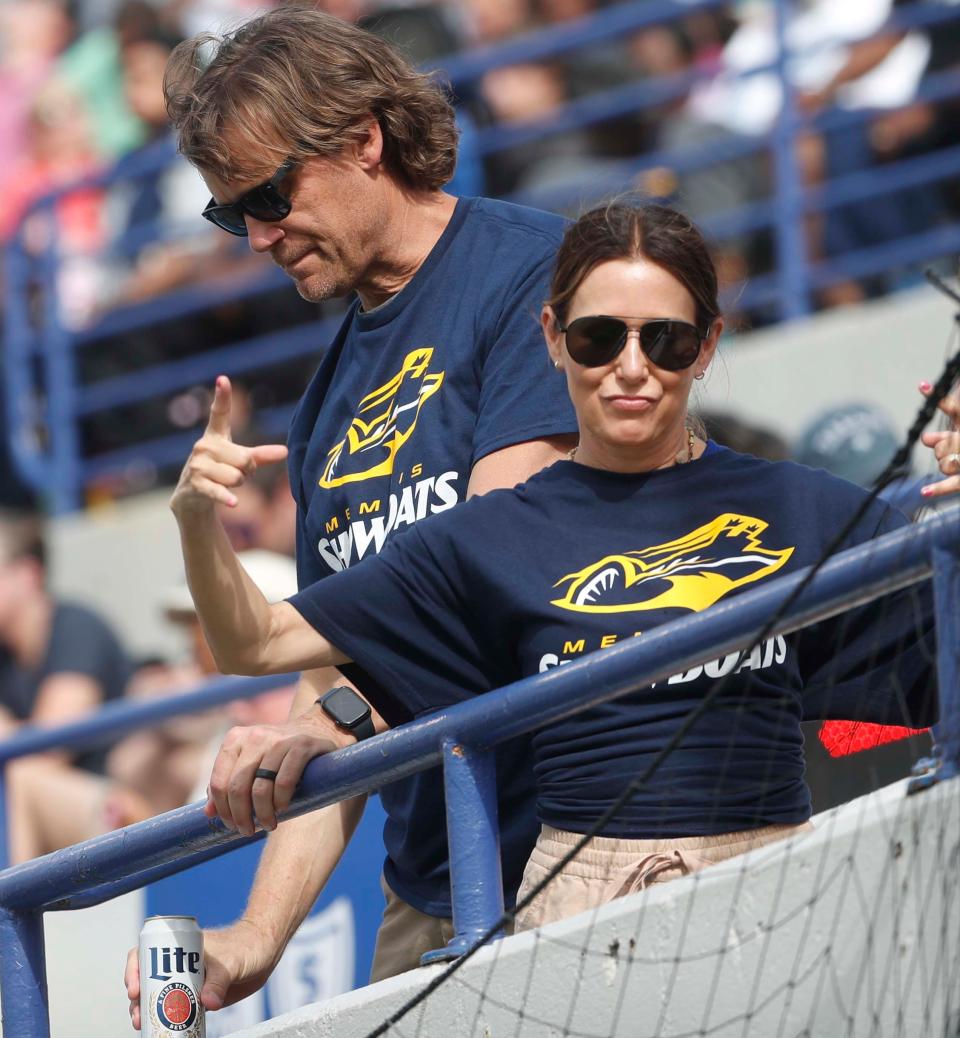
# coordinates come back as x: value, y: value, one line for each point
x: 171, y: 976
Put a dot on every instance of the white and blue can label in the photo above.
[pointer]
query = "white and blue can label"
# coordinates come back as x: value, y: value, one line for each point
x: 171, y: 976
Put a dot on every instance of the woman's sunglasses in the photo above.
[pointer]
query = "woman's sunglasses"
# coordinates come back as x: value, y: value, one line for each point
x: 597, y: 340
x: 263, y: 202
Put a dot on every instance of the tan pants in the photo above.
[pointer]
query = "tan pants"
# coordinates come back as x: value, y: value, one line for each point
x: 404, y: 935
x: 607, y: 868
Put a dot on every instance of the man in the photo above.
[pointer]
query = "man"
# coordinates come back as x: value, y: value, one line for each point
x: 59, y: 662
x: 330, y: 152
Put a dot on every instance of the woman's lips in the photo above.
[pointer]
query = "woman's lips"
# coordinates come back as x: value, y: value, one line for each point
x: 630, y: 403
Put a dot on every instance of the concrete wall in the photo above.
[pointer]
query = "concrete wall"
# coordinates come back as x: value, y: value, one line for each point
x: 852, y: 929
x: 120, y: 559
x: 873, y: 353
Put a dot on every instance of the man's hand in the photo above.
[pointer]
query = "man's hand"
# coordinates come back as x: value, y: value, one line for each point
x: 238, y: 796
x: 216, y: 463
x: 946, y: 447
x: 237, y: 961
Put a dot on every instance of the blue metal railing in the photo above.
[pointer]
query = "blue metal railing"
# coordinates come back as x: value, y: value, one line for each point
x: 119, y: 718
x: 462, y: 737
x: 43, y: 414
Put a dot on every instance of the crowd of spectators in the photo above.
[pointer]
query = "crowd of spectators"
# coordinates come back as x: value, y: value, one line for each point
x: 81, y: 93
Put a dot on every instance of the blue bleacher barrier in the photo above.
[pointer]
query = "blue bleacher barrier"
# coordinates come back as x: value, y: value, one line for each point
x: 45, y: 403
x: 460, y: 736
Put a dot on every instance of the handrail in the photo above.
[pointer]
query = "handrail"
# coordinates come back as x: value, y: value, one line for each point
x: 118, y: 718
x: 99, y: 869
x: 122, y: 716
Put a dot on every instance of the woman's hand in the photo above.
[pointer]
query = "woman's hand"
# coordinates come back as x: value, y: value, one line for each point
x: 946, y: 447
x: 216, y: 463
x: 240, y: 798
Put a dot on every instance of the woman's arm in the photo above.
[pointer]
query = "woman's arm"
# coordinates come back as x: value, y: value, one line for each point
x: 246, y: 634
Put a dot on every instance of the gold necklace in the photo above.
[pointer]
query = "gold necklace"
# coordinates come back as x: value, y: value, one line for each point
x: 681, y: 459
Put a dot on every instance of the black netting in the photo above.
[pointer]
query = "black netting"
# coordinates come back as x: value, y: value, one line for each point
x: 848, y: 928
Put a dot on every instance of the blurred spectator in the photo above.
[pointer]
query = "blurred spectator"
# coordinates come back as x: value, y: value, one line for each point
x: 58, y: 661
x: 831, y: 63
x: 856, y: 441
x: 164, y: 763
x: 92, y: 66
x: 531, y: 94
x: 159, y: 242
x: 422, y: 30
x: 154, y: 769
x: 887, y: 135
x: 493, y: 21
x: 32, y: 34
x: 59, y: 151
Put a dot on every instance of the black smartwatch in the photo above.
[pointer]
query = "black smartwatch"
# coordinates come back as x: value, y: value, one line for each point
x: 348, y: 711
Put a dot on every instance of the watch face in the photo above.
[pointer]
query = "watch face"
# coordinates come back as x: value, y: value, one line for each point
x: 346, y: 707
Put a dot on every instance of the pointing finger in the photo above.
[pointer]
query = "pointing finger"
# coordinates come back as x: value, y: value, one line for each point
x: 219, y: 422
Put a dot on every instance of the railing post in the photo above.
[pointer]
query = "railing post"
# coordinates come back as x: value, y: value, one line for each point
x: 4, y: 820
x: 476, y: 882
x: 62, y: 423
x: 789, y: 229
x: 945, y: 762
x: 23, y: 975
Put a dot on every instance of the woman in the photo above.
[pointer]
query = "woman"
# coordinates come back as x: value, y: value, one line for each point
x: 644, y: 523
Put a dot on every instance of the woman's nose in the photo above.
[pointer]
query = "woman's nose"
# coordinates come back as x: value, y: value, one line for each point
x: 632, y: 361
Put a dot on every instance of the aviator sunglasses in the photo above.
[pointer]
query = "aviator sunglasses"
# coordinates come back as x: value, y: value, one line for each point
x: 596, y: 340
x: 263, y: 202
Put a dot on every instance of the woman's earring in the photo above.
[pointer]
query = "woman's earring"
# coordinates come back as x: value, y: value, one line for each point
x: 556, y: 364
x: 700, y: 376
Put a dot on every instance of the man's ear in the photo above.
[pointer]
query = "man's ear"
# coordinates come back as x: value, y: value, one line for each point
x: 369, y: 149
x: 552, y: 335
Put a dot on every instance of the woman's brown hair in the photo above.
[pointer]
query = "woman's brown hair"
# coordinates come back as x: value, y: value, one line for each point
x: 624, y: 229
x: 297, y: 82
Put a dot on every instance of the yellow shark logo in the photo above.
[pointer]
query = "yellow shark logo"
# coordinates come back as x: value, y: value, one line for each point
x: 385, y: 421
x: 692, y: 572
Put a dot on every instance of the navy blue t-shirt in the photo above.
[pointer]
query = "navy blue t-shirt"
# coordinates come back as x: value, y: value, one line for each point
x: 408, y: 398
x: 576, y: 559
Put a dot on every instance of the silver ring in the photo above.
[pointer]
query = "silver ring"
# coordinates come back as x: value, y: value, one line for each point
x: 955, y: 458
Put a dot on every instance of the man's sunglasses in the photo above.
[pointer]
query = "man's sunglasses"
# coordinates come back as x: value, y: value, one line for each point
x: 595, y: 341
x: 263, y: 202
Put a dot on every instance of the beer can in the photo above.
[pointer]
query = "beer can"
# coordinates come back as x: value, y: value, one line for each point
x: 171, y: 976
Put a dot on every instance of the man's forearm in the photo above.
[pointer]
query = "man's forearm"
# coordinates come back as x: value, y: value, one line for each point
x: 297, y: 861
x: 301, y: 854
x: 234, y: 614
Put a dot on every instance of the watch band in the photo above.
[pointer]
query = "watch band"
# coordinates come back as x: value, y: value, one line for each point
x: 362, y: 729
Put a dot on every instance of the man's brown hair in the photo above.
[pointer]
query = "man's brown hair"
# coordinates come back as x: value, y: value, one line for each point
x: 297, y: 82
